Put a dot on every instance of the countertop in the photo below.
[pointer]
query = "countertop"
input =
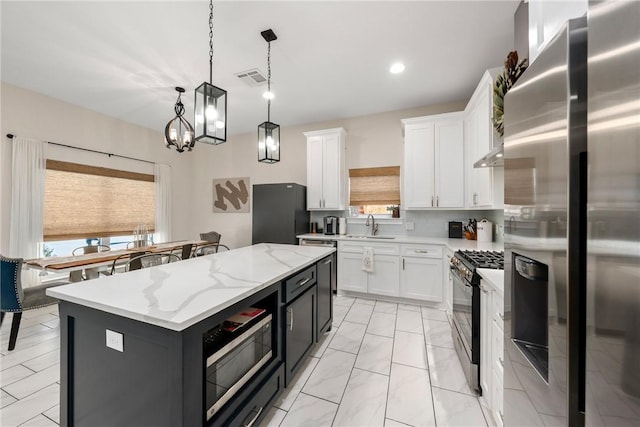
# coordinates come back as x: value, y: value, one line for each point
x: 453, y: 244
x: 178, y: 295
x: 494, y: 278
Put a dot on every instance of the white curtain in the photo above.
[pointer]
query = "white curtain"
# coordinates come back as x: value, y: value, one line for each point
x: 162, y: 175
x: 27, y: 202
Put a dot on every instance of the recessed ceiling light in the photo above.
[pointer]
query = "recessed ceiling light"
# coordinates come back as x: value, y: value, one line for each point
x: 396, y: 68
x: 499, y: 155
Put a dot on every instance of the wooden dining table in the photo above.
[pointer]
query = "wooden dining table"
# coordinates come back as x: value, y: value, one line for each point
x: 100, y: 259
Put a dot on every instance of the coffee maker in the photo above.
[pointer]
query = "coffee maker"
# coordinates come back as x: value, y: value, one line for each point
x: 330, y: 225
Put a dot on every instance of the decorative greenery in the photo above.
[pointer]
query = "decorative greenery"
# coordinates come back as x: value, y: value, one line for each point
x: 48, y: 251
x: 512, y: 72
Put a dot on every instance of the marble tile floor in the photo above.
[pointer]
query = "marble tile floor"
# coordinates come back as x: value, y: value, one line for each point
x: 382, y: 364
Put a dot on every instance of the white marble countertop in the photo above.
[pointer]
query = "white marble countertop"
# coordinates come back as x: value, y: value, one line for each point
x: 495, y: 278
x: 453, y: 244
x: 178, y: 295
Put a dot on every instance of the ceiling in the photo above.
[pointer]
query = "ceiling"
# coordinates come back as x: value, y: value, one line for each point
x: 331, y: 59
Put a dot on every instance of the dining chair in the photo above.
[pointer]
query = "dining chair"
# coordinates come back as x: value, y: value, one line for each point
x: 150, y: 260
x: 188, y: 250
x: 208, y: 249
x: 15, y: 299
x: 211, y: 237
x: 120, y: 261
x: 88, y: 273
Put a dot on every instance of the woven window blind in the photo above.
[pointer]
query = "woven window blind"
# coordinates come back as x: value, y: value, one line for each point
x: 374, y: 186
x: 86, y: 201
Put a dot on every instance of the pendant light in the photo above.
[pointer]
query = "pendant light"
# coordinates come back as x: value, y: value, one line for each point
x: 179, y: 132
x: 268, y: 133
x: 210, y: 103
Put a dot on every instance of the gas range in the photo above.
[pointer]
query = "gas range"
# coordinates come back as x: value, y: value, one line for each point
x: 465, y: 263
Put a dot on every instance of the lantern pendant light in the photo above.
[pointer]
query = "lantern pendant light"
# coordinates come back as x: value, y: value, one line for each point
x: 268, y: 132
x: 179, y: 132
x: 210, y: 103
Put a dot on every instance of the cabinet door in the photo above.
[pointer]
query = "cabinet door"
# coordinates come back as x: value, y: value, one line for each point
x: 418, y: 166
x: 447, y: 280
x: 331, y: 176
x: 325, y: 300
x: 483, y: 176
x: 300, y: 328
x: 486, y: 319
x: 449, y: 164
x: 314, y: 172
x: 421, y: 278
x: 385, y: 279
x: 350, y: 274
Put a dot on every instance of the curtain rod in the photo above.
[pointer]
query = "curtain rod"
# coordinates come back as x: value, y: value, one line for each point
x: 11, y: 136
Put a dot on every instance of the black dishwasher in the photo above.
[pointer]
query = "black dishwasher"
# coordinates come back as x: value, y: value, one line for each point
x: 299, y: 319
x: 326, y: 282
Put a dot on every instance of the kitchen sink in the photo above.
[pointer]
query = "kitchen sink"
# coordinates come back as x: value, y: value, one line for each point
x: 360, y: 236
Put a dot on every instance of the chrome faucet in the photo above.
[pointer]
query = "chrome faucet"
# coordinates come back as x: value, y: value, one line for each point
x: 374, y: 226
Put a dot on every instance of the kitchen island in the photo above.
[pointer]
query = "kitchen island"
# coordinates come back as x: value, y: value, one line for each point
x: 132, y: 345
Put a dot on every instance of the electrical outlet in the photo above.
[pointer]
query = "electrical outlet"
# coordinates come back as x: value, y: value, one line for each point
x: 115, y: 340
x: 409, y: 225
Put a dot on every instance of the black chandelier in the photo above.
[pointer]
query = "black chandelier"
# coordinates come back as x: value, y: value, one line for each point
x: 179, y: 132
x: 268, y: 132
x: 210, y: 103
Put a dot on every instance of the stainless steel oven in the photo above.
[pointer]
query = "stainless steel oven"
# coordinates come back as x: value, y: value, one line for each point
x: 233, y: 358
x: 466, y: 307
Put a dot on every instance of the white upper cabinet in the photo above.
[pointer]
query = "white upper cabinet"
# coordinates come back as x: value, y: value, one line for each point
x: 326, y: 172
x: 433, y: 172
x: 483, y: 189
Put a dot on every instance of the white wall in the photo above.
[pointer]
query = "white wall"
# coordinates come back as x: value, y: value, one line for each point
x: 545, y: 19
x: 33, y: 115
x: 374, y: 140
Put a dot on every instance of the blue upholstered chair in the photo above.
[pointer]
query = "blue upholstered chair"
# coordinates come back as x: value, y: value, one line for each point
x: 14, y: 299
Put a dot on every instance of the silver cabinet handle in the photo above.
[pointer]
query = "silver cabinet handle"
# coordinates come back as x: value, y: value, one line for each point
x: 484, y: 289
x: 291, y: 324
x: 501, y: 361
x: 431, y: 201
x: 403, y: 263
x: 501, y: 316
x: 253, y: 420
x: 437, y: 201
x: 303, y: 281
x: 421, y: 251
x: 327, y: 262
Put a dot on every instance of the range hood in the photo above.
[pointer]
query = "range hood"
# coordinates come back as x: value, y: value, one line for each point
x: 493, y: 159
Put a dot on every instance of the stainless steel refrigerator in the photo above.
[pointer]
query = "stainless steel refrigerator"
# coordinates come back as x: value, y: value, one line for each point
x: 572, y: 227
x: 279, y: 213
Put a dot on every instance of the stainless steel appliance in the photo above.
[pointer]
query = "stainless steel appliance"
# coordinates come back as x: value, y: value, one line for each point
x: 466, y: 307
x: 331, y: 225
x: 279, y: 213
x: 572, y: 278
x: 233, y: 358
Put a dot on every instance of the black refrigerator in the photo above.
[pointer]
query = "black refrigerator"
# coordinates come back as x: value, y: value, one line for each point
x: 279, y: 213
x: 572, y: 228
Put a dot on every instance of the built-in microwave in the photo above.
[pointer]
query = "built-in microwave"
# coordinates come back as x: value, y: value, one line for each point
x: 233, y: 358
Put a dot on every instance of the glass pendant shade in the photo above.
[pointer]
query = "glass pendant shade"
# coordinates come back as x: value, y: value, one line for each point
x: 268, y: 142
x: 210, y: 114
x: 179, y: 133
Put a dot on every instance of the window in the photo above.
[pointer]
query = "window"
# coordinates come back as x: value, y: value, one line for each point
x: 86, y: 201
x: 374, y: 190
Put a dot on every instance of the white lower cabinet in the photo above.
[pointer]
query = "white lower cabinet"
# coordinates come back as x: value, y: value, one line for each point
x: 350, y: 274
x: 407, y: 271
x: 421, y: 272
x: 491, y: 349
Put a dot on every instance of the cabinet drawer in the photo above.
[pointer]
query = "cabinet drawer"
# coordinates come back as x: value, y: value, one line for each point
x: 297, y: 284
x: 498, y: 393
x: 421, y: 251
x: 378, y: 248
x: 498, y: 310
x: 256, y: 408
x: 498, y: 348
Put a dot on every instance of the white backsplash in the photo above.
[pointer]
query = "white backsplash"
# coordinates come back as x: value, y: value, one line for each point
x: 425, y: 223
